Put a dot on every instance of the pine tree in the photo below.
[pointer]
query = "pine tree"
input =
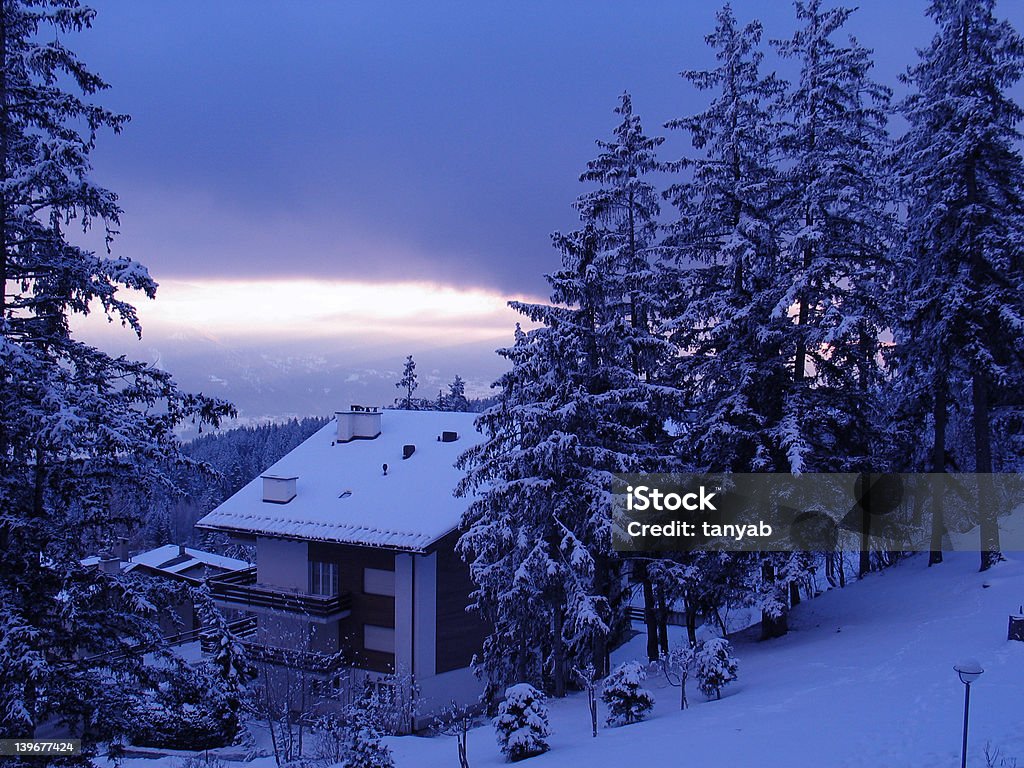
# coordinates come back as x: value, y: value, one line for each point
x: 408, y: 383
x: 577, y: 406
x: 724, y: 299
x: 456, y: 398
x: 622, y: 693
x: 716, y: 667
x: 721, y: 265
x: 505, y: 548
x: 839, y: 219
x: 962, y: 260
x: 624, y: 209
x: 228, y: 656
x: 521, y: 726
x: 73, y: 421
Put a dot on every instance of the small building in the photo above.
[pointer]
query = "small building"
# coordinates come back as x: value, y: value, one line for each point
x: 354, y: 534
x: 176, y: 562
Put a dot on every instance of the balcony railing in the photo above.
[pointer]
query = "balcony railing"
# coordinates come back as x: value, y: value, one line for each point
x: 240, y: 588
x: 311, y: 661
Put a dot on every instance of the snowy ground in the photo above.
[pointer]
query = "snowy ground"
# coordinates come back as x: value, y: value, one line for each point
x: 863, y: 679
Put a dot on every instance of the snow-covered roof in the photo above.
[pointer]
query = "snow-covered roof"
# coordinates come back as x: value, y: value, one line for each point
x: 343, y: 495
x: 169, y: 558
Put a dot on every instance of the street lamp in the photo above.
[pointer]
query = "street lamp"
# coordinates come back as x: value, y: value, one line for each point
x: 969, y: 671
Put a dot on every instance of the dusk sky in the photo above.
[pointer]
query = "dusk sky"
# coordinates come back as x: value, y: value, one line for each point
x: 384, y: 149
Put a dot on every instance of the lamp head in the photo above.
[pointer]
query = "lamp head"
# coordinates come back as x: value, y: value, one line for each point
x: 969, y: 670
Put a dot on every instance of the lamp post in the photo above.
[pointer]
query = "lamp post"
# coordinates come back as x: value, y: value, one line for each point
x: 969, y: 671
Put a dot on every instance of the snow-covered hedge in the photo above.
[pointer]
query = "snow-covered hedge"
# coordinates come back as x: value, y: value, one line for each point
x: 627, y: 702
x: 522, y: 723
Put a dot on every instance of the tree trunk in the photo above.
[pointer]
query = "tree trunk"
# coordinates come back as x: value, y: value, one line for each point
x: 600, y: 642
x: 650, y: 613
x: 558, y: 670
x: 691, y: 622
x: 864, y: 565
x: 662, y: 623
x: 940, y: 417
x: 987, y: 512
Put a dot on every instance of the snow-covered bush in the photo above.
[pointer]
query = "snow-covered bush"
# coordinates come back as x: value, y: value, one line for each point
x: 522, y: 723
x: 716, y: 666
x: 187, y: 709
x: 627, y: 702
x: 363, y: 747
x: 352, y: 738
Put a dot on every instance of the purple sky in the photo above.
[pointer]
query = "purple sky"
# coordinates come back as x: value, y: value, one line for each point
x: 435, y: 141
x: 375, y: 143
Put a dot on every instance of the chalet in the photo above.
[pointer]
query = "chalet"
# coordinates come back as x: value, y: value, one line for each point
x: 354, y: 533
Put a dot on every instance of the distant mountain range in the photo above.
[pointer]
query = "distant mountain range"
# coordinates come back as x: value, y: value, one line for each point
x: 289, y: 378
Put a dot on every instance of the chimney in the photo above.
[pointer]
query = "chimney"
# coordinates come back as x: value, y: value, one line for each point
x: 279, y: 489
x: 359, y: 422
x: 181, y: 551
x: 110, y: 565
x: 448, y: 437
x: 122, y: 549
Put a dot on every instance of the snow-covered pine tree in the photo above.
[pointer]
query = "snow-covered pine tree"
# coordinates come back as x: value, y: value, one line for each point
x: 456, y: 400
x: 715, y: 666
x: 622, y: 693
x: 73, y: 420
x: 963, y: 261
x: 721, y: 265
x: 228, y: 656
x: 504, y: 541
x: 839, y: 218
x: 724, y: 282
x: 408, y: 383
x: 521, y: 726
x: 576, y: 407
x: 625, y: 209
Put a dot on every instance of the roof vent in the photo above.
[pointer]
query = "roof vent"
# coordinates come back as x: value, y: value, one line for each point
x: 360, y: 422
x: 448, y: 437
x: 278, y: 489
x: 408, y: 450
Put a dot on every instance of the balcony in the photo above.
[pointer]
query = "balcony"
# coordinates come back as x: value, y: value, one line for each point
x: 239, y: 589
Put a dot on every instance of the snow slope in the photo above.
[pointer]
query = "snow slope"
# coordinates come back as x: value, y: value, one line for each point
x: 864, y: 679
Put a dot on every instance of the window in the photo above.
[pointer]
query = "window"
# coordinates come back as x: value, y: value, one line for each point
x: 377, y: 581
x: 323, y: 578
x: 379, y: 638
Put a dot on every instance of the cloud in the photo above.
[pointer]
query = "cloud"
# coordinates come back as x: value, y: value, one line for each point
x: 240, y: 311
